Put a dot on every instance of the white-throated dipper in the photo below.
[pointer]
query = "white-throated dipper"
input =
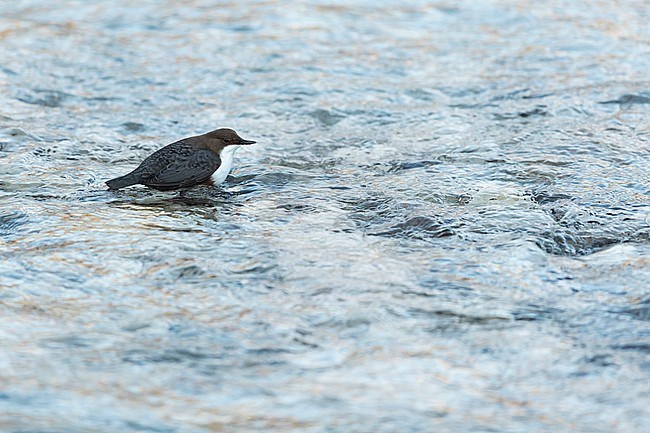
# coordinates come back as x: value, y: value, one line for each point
x: 186, y: 163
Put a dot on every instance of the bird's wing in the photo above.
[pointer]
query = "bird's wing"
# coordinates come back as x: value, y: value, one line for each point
x: 184, y: 169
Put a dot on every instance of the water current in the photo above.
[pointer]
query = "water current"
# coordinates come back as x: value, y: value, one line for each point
x: 444, y: 226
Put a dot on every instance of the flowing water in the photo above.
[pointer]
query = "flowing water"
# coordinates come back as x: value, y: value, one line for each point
x: 444, y: 226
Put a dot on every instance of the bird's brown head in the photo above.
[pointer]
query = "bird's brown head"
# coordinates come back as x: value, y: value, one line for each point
x: 228, y: 137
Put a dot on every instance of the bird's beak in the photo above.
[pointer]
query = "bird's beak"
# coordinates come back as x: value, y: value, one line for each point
x: 242, y: 141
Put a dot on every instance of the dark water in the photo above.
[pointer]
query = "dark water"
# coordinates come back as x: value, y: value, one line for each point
x: 444, y: 226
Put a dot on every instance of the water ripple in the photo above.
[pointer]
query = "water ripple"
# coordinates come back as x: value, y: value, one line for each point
x: 443, y: 206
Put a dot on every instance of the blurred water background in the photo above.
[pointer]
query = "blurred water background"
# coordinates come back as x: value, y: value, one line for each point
x: 444, y: 226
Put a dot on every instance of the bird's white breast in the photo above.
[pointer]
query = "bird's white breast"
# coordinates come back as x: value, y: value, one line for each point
x: 226, y: 164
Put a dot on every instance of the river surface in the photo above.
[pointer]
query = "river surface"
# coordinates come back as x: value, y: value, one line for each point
x: 444, y: 226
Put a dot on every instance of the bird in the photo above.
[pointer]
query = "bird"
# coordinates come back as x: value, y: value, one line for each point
x: 186, y: 163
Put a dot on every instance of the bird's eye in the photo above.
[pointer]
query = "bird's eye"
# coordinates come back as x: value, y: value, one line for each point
x: 227, y: 140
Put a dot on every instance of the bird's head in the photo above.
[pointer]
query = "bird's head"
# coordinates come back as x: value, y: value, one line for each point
x: 228, y: 137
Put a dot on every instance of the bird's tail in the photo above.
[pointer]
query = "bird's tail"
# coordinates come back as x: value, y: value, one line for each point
x: 121, y: 182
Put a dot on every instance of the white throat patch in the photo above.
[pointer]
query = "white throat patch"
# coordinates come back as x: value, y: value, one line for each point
x: 226, y: 164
